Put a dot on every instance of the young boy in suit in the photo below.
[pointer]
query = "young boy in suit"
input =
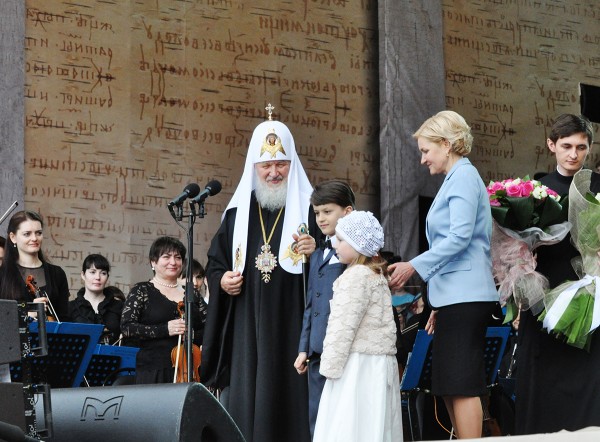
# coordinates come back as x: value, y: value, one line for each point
x: 331, y: 201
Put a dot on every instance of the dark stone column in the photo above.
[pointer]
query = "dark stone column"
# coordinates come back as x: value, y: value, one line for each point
x: 411, y: 67
x: 12, y: 98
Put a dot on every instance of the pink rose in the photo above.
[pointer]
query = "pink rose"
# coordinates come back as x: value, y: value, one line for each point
x: 496, y: 186
x: 551, y: 192
x: 526, y: 188
x: 514, y: 190
x: 495, y: 202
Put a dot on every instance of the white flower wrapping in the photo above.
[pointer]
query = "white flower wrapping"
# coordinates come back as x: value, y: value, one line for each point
x: 585, y: 234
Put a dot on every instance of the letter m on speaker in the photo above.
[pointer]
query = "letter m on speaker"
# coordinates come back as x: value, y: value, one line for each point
x: 98, y: 410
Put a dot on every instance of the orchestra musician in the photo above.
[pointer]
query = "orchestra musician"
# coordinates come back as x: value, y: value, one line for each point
x: 151, y: 313
x: 95, y: 302
x: 24, y: 261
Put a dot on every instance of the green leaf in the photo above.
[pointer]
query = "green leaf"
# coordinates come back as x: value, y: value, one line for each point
x: 511, y: 311
x: 521, y: 209
x: 591, y: 198
x: 499, y: 214
x: 575, y: 322
x: 551, y: 212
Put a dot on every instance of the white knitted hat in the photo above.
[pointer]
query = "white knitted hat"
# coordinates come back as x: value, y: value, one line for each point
x: 362, y: 231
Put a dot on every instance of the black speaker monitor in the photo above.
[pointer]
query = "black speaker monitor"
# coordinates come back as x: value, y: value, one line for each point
x: 140, y: 413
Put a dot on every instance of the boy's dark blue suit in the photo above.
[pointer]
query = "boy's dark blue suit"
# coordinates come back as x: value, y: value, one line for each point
x: 320, y: 291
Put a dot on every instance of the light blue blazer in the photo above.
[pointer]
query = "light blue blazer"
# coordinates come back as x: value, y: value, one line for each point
x: 458, y: 265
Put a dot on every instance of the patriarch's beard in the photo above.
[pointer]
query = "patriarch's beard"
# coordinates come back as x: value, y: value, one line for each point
x: 271, y: 197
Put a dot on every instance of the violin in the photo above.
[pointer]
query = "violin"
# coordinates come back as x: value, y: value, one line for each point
x: 179, y: 357
x: 37, y: 293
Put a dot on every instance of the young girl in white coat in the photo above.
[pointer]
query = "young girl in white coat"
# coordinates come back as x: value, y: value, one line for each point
x: 361, y: 398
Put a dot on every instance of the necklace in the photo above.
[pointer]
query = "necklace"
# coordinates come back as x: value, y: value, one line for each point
x: 164, y: 284
x: 266, y: 261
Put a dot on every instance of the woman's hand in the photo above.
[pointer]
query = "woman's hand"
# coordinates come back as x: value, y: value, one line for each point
x: 41, y: 299
x: 231, y: 283
x: 400, y: 273
x: 430, y: 326
x: 300, y: 363
x: 176, y: 327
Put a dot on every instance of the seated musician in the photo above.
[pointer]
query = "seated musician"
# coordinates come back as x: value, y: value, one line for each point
x: 96, y: 303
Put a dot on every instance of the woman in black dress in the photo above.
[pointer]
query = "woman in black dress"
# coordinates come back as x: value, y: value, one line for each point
x: 151, y: 313
x: 96, y: 303
x: 23, y: 259
x: 558, y: 385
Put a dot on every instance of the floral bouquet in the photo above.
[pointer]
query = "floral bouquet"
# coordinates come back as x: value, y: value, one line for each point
x: 570, y: 308
x: 526, y: 215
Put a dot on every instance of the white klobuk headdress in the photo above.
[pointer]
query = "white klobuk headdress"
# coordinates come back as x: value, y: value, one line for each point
x: 271, y: 141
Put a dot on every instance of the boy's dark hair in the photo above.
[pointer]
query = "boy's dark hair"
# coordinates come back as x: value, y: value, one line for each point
x: 197, y: 269
x: 566, y: 125
x: 333, y: 192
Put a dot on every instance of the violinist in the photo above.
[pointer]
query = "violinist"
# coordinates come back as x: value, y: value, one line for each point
x: 151, y: 313
x: 96, y: 303
x: 24, y: 261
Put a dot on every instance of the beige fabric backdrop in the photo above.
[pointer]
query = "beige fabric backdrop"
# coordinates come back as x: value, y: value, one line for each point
x: 126, y: 102
x: 510, y: 67
x: 129, y: 101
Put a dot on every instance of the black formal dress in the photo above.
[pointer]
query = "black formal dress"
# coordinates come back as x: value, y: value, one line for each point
x: 558, y: 385
x: 145, y: 316
x: 109, y: 314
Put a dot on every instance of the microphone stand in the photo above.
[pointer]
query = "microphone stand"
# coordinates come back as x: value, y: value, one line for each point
x: 189, y: 285
x: 177, y: 214
x: 189, y: 282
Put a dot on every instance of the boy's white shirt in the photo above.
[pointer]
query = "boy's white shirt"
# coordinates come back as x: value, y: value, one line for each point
x: 334, y: 259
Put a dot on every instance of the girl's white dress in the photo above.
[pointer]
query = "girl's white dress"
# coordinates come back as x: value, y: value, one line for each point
x: 361, y: 397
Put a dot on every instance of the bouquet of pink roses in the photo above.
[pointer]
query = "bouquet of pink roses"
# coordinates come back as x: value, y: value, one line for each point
x: 522, y: 203
x: 526, y: 215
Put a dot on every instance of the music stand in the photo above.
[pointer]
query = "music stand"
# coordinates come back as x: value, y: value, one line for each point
x: 70, y: 349
x: 417, y: 374
x: 106, y: 360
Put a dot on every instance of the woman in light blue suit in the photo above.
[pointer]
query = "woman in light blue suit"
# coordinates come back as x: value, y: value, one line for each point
x: 458, y: 270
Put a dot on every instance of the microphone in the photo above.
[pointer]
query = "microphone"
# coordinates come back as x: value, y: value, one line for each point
x: 212, y: 188
x: 190, y: 191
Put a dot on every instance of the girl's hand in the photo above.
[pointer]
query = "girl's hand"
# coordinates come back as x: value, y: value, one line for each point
x: 430, y: 326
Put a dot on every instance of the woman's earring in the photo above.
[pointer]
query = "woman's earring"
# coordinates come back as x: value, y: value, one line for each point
x: 15, y: 245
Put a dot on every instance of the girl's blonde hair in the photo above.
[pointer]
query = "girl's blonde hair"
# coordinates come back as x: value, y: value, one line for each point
x: 375, y: 263
x: 449, y: 126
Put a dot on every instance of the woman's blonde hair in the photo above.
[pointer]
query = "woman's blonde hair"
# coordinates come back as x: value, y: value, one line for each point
x: 449, y: 126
